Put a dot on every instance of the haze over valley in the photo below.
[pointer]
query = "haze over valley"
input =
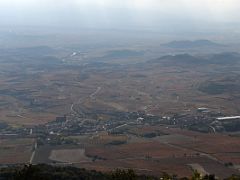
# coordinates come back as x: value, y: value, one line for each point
x: 151, y: 86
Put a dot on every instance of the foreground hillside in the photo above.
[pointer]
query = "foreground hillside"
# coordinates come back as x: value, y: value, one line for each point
x: 47, y: 172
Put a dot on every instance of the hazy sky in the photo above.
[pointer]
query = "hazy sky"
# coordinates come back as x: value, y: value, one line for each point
x: 123, y: 14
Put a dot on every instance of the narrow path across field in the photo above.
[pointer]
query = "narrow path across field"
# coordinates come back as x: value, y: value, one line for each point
x: 33, y: 153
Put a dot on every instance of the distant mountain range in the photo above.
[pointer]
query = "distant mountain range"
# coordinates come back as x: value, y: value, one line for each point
x: 29, y: 51
x: 229, y: 58
x: 192, y: 44
x: 125, y: 53
x: 119, y: 54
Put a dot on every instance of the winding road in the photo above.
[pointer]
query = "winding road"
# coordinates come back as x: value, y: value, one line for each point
x: 80, y: 100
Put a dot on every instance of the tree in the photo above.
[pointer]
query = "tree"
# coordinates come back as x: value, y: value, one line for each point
x: 196, y: 175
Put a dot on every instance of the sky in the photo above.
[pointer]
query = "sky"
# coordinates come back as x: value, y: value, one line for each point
x: 166, y: 15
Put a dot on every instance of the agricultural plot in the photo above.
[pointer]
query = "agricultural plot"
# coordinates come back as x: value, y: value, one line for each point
x: 15, y: 151
x: 69, y: 156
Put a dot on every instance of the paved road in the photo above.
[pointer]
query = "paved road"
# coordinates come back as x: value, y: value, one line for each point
x: 80, y: 100
x: 214, y: 130
x: 33, y: 153
x: 95, y: 93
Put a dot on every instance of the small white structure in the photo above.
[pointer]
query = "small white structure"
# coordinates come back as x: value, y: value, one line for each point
x: 228, y: 118
x: 202, y: 109
x: 140, y: 119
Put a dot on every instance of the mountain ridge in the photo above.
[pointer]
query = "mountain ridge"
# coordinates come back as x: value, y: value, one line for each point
x: 192, y: 44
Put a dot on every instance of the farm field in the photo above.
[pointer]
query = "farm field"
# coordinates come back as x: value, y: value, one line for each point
x: 173, y: 151
x: 15, y: 150
x: 68, y: 155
